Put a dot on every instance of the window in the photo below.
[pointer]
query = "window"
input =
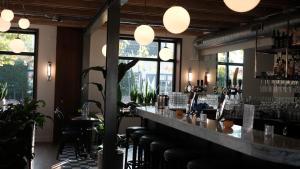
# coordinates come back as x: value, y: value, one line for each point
x: 228, y: 62
x: 150, y: 71
x: 18, y: 70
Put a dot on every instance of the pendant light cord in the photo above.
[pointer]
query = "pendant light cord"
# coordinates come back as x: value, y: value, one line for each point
x: 145, y: 11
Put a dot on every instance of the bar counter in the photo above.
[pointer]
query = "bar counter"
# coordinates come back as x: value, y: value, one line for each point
x: 279, y: 149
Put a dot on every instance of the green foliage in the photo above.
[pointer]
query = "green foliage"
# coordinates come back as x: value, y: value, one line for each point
x: 15, y: 117
x: 140, y: 98
x: 3, y: 90
x: 133, y: 93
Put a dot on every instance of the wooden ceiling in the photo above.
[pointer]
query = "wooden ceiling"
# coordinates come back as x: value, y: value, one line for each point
x: 206, y: 15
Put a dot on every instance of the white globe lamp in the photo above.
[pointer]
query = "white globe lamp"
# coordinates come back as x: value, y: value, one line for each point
x: 17, y: 45
x: 165, y: 54
x: 241, y: 5
x: 144, y: 35
x: 104, y: 50
x: 7, y: 15
x: 176, y: 19
x: 4, y: 26
x: 24, y: 23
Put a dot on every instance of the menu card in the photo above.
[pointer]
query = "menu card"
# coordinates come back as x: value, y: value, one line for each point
x: 248, y: 117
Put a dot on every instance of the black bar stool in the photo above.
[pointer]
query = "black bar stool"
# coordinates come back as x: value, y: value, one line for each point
x: 129, y: 131
x: 144, y: 149
x: 157, y: 149
x: 177, y: 158
x: 135, y: 137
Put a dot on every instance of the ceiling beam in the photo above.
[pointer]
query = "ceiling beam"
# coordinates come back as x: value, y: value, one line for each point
x: 65, y: 4
x: 45, y: 21
x: 159, y: 11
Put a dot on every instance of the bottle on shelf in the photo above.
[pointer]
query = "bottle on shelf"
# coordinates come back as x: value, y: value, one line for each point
x: 274, y: 39
x: 275, y: 68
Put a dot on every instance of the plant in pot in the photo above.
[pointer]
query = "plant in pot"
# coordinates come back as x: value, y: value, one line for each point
x: 17, y: 123
x: 133, y: 93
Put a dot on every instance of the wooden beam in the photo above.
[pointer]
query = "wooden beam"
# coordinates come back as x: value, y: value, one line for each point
x: 159, y: 11
x: 154, y: 20
x: 45, y: 21
x: 66, y: 4
x: 110, y: 160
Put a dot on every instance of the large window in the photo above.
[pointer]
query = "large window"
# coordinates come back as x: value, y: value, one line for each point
x: 150, y: 71
x: 228, y: 63
x: 17, y: 70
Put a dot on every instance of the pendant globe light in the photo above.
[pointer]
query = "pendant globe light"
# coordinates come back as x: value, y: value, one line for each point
x: 17, y: 45
x: 241, y: 5
x: 144, y: 34
x: 176, y: 19
x: 7, y: 15
x: 4, y: 26
x: 24, y: 23
x: 165, y: 53
x: 104, y: 50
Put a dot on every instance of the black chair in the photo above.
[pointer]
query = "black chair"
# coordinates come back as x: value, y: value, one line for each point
x: 144, y: 149
x: 68, y: 133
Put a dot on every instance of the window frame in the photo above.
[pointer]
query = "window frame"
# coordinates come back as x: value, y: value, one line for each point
x: 226, y: 64
x: 160, y: 40
x: 34, y: 32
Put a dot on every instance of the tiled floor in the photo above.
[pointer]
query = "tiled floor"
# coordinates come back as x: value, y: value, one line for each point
x: 45, y: 158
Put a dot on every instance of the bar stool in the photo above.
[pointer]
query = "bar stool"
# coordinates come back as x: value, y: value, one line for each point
x: 129, y: 131
x: 144, y: 149
x: 157, y: 149
x: 177, y: 158
x: 135, y: 137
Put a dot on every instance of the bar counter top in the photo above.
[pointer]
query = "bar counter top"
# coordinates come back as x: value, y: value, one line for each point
x: 278, y: 148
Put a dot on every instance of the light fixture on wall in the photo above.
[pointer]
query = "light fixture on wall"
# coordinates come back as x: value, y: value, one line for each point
x: 190, y: 75
x: 241, y: 5
x: 165, y: 53
x: 17, y: 45
x: 144, y: 34
x: 207, y: 78
x: 49, y: 64
x: 104, y: 50
x: 176, y: 19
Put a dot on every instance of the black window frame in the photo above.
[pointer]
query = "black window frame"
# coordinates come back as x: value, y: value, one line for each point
x: 227, y: 64
x: 160, y: 40
x: 34, y: 32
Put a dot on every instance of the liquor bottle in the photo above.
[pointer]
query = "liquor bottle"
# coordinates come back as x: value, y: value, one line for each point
x: 274, y: 39
x: 282, y: 40
x: 275, y: 68
x: 277, y: 44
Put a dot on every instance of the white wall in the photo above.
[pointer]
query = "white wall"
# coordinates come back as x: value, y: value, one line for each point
x: 46, y: 89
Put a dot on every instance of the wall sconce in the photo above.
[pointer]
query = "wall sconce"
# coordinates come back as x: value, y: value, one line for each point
x: 190, y: 75
x: 207, y: 78
x: 49, y: 71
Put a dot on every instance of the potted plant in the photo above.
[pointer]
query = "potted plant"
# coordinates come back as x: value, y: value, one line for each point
x: 17, y: 123
x: 133, y: 93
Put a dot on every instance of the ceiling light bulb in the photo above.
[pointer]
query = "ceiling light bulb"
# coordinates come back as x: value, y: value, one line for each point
x: 176, y: 19
x: 104, y: 50
x: 4, y: 26
x: 165, y: 54
x: 24, y: 23
x: 17, y: 45
x: 241, y: 5
x: 144, y: 35
x: 7, y: 15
